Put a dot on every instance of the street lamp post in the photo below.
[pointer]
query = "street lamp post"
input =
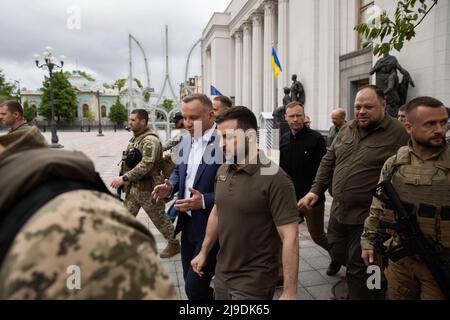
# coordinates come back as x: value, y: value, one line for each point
x: 50, y: 65
x: 100, y: 133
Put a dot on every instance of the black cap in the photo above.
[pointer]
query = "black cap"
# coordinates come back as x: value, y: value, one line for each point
x: 177, y: 116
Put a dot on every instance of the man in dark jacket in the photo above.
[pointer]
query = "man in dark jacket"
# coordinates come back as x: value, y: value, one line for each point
x: 302, y: 150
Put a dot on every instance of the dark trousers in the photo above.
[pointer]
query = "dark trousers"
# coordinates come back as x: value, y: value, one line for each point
x: 345, y: 247
x: 315, y: 223
x: 197, y: 288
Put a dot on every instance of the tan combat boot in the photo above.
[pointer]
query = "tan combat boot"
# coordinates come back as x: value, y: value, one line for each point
x: 171, y: 250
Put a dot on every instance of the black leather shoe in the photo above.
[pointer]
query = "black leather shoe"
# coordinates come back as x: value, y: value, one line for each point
x: 333, y: 268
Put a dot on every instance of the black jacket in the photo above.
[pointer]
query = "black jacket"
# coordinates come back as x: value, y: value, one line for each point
x: 300, y: 157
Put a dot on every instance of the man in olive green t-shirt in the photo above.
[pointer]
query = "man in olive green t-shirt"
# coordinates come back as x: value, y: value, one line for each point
x: 255, y: 206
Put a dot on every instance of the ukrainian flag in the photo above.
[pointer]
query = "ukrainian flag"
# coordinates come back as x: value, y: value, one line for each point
x: 276, y: 65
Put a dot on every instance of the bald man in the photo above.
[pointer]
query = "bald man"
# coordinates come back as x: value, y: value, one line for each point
x: 338, y: 119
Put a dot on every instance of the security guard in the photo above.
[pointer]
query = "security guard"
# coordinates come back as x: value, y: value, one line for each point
x: 141, y: 171
x: 420, y: 174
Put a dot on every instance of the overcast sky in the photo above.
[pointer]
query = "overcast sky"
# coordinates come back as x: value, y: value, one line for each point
x: 100, y: 45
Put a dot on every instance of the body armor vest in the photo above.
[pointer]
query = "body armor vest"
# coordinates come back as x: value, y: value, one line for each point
x: 134, y: 149
x: 425, y: 190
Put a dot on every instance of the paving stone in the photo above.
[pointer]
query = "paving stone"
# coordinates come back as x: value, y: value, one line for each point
x: 310, y: 253
x: 333, y: 279
x: 319, y: 262
x: 304, y: 266
x: 303, y: 294
x: 322, y: 292
x: 311, y: 278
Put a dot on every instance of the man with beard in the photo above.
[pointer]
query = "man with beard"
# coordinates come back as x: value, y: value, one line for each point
x: 141, y: 170
x: 353, y: 164
x: 420, y: 174
x: 255, y: 206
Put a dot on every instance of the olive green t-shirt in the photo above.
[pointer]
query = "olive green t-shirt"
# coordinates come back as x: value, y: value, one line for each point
x: 250, y: 204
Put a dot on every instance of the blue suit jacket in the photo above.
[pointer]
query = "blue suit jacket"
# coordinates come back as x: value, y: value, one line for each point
x: 204, y: 183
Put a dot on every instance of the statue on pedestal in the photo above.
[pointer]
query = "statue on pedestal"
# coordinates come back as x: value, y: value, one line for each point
x: 387, y: 79
x: 287, y: 98
x: 297, y: 90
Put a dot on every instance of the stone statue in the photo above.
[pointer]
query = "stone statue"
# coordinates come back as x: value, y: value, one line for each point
x: 279, y: 120
x: 287, y: 98
x: 297, y: 90
x: 387, y: 79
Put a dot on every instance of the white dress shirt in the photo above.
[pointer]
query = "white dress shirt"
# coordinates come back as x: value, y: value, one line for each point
x: 198, y: 148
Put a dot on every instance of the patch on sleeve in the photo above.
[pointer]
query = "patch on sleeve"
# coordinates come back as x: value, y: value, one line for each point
x: 148, y: 151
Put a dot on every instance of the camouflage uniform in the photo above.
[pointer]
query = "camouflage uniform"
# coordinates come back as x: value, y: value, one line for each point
x: 143, y: 178
x: 423, y: 184
x: 115, y: 253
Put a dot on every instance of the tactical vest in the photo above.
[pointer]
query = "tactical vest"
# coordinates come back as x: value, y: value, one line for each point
x: 138, y: 144
x: 426, y: 192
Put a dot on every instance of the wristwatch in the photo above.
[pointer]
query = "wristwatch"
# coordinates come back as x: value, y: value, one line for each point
x: 125, y: 178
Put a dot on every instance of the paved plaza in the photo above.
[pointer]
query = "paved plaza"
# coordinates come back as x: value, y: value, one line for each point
x: 106, y: 153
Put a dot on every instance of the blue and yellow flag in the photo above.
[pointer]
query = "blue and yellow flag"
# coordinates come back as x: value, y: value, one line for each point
x: 276, y: 65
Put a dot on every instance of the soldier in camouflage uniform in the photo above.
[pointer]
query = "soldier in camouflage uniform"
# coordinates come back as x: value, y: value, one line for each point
x: 140, y: 177
x: 80, y: 244
x: 420, y: 174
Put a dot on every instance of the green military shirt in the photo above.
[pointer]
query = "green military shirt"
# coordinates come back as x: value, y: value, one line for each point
x: 353, y: 163
x: 251, y: 201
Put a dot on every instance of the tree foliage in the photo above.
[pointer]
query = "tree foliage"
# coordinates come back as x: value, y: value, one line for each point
x: 7, y: 90
x: 85, y: 75
x: 118, y: 113
x: 167, y: 105
x: 65, y: 98
x: 386, y: 34
x: 90, y: 116
x: 28, y: 112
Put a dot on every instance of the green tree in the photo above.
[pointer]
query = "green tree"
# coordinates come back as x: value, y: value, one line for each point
x: 90, y: 117
x: 390, y: 33
x: 85, y: 75
x: 118, y: 113
x: 28, y: 112
x: 119, y: 84
x: 65, y: 98
x: 167, y: 105
x: 7, y: 90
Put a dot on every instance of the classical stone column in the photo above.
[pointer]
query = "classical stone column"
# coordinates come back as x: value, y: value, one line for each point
x: 247, y: 66
x: 283, y: 49
x: 238, y: 67
x: 208, y: 74
x: 269, y: 39
x: 257, y: 65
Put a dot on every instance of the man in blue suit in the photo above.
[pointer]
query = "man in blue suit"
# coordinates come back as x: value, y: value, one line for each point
x: 199, y: 158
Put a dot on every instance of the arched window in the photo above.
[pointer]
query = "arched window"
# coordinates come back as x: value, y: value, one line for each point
x: 103, y: 111
x: 85, y: 110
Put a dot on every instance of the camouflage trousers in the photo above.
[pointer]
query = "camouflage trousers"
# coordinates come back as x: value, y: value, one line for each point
x: 156, y: 212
